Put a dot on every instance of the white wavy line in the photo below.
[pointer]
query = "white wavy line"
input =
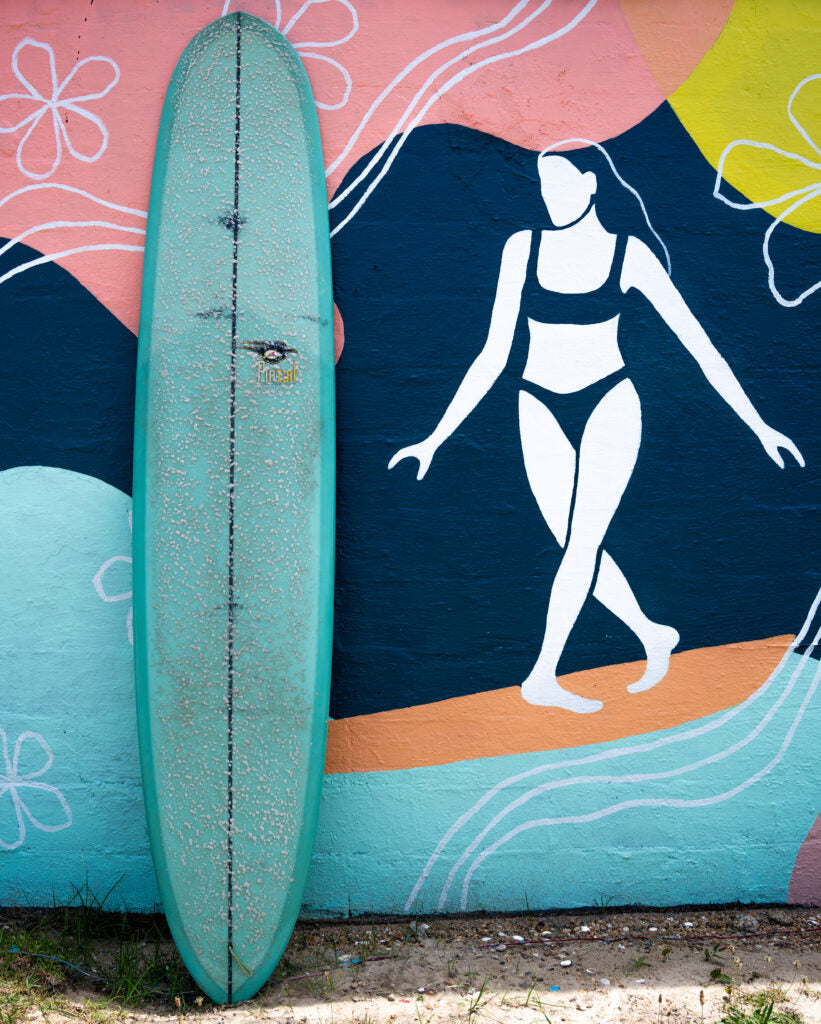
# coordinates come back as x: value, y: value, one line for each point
x: 44, y: 787
x: 412, y: 67
x: 78, y: 191
x: 631, y: 778
x: 11, y: 782
x: 650, y: 802
x: 55, y: 122
x: 68, y: 224
x: 345, y: 74
x: 639, y: 748
x: 376, y: 157
x: 7, y: 129
x: 98, y: 580
x: 802, y: 195
x: 18, y: 74
x: 597, y: 145
x: 54, y: 103
x: 95, y: 120
x: 797, y: 125
x: 446, y: 88
x: 84, y: 97
x: 20, y: 808
x: 790, y: 303
x: 13, y: 765
x: 334, y: 42
x: 66, y: 252
x: 761, y: 204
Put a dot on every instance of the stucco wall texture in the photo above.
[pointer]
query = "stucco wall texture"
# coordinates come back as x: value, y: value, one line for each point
x: 576, y: 278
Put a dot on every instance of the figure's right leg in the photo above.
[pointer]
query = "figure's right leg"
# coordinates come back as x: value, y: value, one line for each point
x: 550, y: 464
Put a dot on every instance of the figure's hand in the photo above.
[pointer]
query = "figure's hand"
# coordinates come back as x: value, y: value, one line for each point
x: 772, y: 440
x: 424, y: 452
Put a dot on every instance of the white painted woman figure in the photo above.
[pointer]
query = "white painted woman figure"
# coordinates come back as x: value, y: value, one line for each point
x: 570, y: 280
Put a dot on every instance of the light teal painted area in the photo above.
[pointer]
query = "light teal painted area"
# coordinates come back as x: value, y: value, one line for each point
x: 72, y: 684
x: 66, y: 666
x: 692, y: 846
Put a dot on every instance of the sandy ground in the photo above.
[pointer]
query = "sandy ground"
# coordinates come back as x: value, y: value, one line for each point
x: 610, y: 966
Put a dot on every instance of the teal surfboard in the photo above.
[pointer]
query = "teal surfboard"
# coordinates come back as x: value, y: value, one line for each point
x: 234, y: 501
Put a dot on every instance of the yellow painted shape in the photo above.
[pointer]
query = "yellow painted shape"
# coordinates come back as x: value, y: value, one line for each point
x: 740, y: 90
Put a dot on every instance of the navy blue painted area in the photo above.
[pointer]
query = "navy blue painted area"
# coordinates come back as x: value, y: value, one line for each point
x: 443, y: 584
x: 69, y: 368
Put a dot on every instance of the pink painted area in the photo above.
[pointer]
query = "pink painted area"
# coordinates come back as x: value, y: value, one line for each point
x: 561, y: 87
x: 339, y: 334
x: 591, y: 82
x: 145, y: 49
x: 805, y: 883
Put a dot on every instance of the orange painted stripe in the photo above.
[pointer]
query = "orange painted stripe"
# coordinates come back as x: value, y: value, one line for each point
x: 499, y: 722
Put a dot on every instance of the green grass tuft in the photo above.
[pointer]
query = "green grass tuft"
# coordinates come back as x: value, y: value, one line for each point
x: 129, y: 959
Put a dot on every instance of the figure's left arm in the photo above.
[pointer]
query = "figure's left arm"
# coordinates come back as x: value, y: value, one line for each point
x: 643, y: 271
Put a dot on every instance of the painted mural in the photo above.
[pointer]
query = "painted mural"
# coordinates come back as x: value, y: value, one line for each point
x: 576, y: 262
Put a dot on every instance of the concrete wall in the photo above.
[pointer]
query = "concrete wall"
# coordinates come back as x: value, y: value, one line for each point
x: 653, y: 538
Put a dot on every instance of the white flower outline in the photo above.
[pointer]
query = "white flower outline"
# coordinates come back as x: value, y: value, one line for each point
x: 303, y: 48
x: 99, y: 586
x: 11, y: 781
x: 53, y: 104
x: 801, y: 195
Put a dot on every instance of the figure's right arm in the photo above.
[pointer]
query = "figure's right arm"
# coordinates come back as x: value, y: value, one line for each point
x: 491, y: 360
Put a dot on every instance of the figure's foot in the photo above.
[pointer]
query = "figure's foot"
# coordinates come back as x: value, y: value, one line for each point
x: 545, y: 691
x: 658, y: 650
